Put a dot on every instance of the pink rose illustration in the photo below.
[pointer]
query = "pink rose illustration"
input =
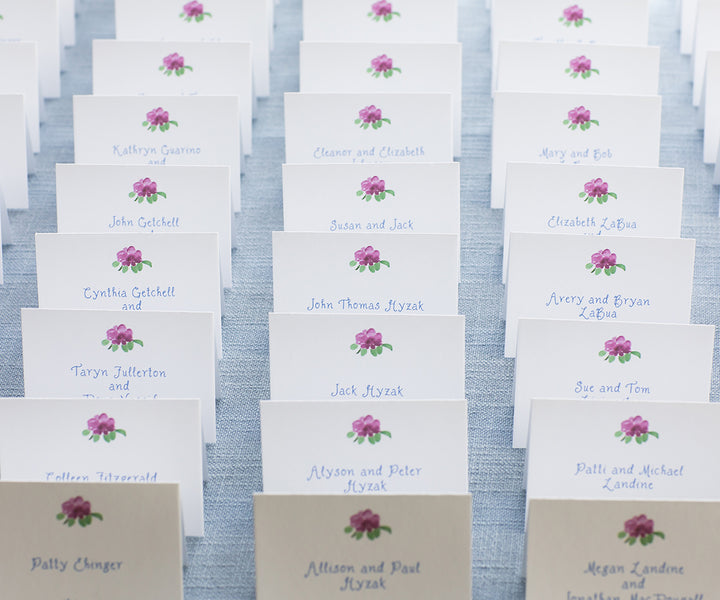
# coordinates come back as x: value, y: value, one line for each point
x: 573, y: 15
x: 373, y: 187
x: 102, y: 426
x: 596, y: 189
x: 145, y: 189
x: 382, y: 65
x: 580, y: 66
x: 635, y: 428
x: 366, y: 522
x: 194, y: 11
x: 382, y: 10
x: 174, y: 63
x: 368, y: 257
x: 579, y: 117
x: 620, y: 348
x: 371, y: 115
x: 130, y: 258
x: 369, y: 340
x: 120, y: 337
x: 158, y: 119
x: 640, y: 528
x: 604, y: 261
x: 368, y: 428
x: 77, y: 509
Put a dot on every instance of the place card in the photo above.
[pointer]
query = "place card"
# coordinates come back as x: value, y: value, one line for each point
x: 634, y: 549
x: 380, y: 21
x: 592, y: 200
x: 365, y: 446
x: 379, y: 357
x: 365, y: 273
x: 113, y: 441
x: 160, y: 130
x: 19, y: 66
x: 413, y: 547
x: 69, y: 540
x: 147, y: 198
x: 385, y: 67
x: 369, y: 127
x: 13, y: 151
x: 709, y: 108
x: 705, y: 40
x: 688, y: 15
x: 214, y: 21
x: 131, y: 272
x: 177, y: 69
x: 67, y: 22
x: 587, y: 129
x: 578, y: 277
x: 609, y: 360
x: 392, y: 197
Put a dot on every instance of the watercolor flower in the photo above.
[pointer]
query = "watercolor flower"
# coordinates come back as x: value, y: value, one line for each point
x: 604, y: 261
x: 194, y: 11
x: 145, y: 189
x: 102, y: 426
x: 130, y: 258
x: 368, y: 257
x: 77, y: 509
x: 635, y: 428
x: 371, y: 116
x: 620, y: 348
x: 640, y: 528
x: 382, y: 10
x: 366, y: 522
x: 120, y: 337
x: 574, y: 15
x: 382, y: 65
x: 158, y: 119
x: 581, y: 66
x: 367, y: 427
x: 369, y: 340
x: 174, y: 63
x: 579, y: 117
x: 596, y: 189
x: 374, y: 187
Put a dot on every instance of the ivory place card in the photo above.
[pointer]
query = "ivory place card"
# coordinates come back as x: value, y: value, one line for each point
x: 392, y: 197
x: 325, y: 545
x: 114, y: 441
x: 385, y: 67
x: 706, y: 39
x: 365, y: 273
x: 36, y: 21
x: 379, y: 357
x: 135, y: 272
x: 587, y: 129
x: 104, y: 359
x: 593, y: 200
x: 13, y: 151
x: 710, y: 109
x: 626, y: 549
x: 160, y: 130
x: 177, y: 69
x: 147, y: 198
x: 608, y: 360
x: 69, y: 540
x: 380, y: 21
x: 369, y: 127
x: 578, y: 277
x: 214, y: 21
x: 365, y: 447
x: 19, y: 66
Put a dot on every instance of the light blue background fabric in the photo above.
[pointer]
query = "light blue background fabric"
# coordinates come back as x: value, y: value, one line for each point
x: 221, y: 565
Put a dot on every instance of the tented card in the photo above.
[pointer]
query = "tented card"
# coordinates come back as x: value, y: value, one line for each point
x: 582, y: 278
x: 408, y: 546
x: 593, y: 200
x: 380, y: 21
x: 625, y: 549
x: 365, y: 446
x: 688, y: 14
x: 160, y: 130
x: 706, y: 39
x: 69, y: 540
x: 369, y: 127
x: 598, y: 68
x: 381, y: 357
x: 398, y: 197
x: 609, y: 360
x: 115, y: 441
x: 377, y: 273
x: 36, y: 21
x: 146, y: 198
x: 385, y: 67
x: 67, y: 22
x: 216, y: 21
x: 131, y: 272
x: 13, y: 151
x: 710, y: 107
x: 177, y: 68
x: 113, y: 354
x: 587, y: 129
x: 19, y: 66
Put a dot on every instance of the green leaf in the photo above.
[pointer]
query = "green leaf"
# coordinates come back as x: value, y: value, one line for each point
x: 389, y: 192
x: 353, y: 346
x: 611, y: 359
x: 114, y: 347
x: 373, y: 351
x: 363, y: 352
x: 353, y: 263
x: 660, y: 534
x: 602, y: 353
x: 589, y: 266
x: 121, y: 432
x: 115, y: 263
x: 598, y: 271
x: 86, y: 432
x: 124, y: 348
x: 385, y: 528
x: 371, y: 439
x: 619, y: 266
x: 134, y: 269
x: 582, y: 195
x: 357, y: 121
x: 638, y: 440
x: 566, y: 121
x: 378, y: 350
x: 145, y: 123
x: 147, y: 262
x: 107, y: 438
x: 361, y: 440
x: 105, y: 342
x: 613, y: 194
x: 388, y: 346
x: 376, y: 125
x: 351, y: 434
x: 132, y: 195
x: 138, y: 342
x: 594, y: 122
x: 385, y: 262
x: 172, y: 123
x: 70, y: 522
x: 387, y: 433
x: 655, y: 434
x: 622, y: 534
x: 129, y: 346
x: 645, y: 437
x: 360, y: 193
x: 60, y: 516
x: 348, y: 529
x: 361, y: 268
x: 125, y: 269
x: 381, y: 195
x: 96, y: 438
x: 618, y: 433
x: 163, y: 194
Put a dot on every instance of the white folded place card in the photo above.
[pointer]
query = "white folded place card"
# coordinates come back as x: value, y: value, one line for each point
x: 364, y: 446
x: 19, y: 66
x: 582, y: 278
x: 113, y: 441
x: 705, y: 40
x: 131, y: 272
x: 13, y: 151
x: 688, y: 14
x: 609, y: 360
x: 625, y: 549
x: 392, y: 197
x: 69, y: 540
x: 365, y: 273
x: 160, y: 130
x: 406, y: 546
x: 177, y: 68
x: 588, y: 129
x: 385, y: 67
x: 592, y: 200
x: 368, y: 127
x: 711, y: 108
x: 380, y: 21
x: 211, y: 21
x: 147, y: 198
